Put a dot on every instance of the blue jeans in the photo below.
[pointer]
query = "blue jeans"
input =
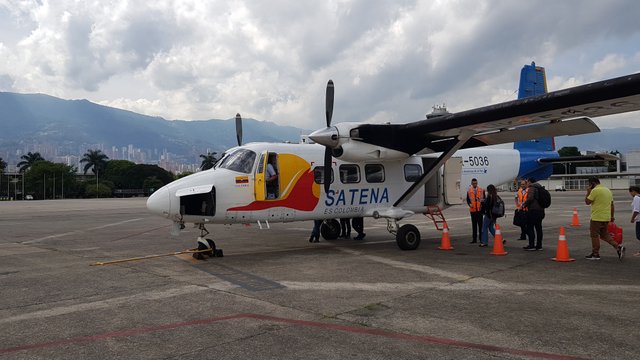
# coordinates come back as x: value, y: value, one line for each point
x: 487, y: 224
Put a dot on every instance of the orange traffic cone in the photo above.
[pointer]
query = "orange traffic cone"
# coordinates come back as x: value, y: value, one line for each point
x: 575, y: 221
x: 562, y: 253
x: 498, y: 247
x: 445, y: 244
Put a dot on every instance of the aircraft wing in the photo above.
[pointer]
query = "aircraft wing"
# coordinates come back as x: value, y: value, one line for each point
x: 562, y: 112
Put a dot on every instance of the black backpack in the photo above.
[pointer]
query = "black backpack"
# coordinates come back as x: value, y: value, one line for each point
x: 498, y: 208
x: 543, y: 197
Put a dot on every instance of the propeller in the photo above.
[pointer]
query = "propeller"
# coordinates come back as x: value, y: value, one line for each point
x: 239, y: 129
x: 327, y: 149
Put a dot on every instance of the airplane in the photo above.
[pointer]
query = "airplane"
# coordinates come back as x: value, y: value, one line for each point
x: 390, y: 171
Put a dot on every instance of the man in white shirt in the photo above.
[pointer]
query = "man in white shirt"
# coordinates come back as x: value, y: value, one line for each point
x: 634, y: 191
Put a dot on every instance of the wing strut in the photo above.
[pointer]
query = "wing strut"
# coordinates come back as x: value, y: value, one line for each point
x: 465, y: 135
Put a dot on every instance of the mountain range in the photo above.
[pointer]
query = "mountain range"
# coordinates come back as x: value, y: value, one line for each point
x: 72, y: 125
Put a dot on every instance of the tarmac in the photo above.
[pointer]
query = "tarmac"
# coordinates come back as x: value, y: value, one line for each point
x: 274, y: 295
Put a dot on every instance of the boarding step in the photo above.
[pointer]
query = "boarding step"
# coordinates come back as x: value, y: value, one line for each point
x: 435, y: 214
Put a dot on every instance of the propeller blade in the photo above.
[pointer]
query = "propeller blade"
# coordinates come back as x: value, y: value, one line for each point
x: 327, y: 169
x: 329, y: 102
x: 239, y: 129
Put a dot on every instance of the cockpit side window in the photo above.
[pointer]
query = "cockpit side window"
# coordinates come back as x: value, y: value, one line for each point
x: 241, y: 160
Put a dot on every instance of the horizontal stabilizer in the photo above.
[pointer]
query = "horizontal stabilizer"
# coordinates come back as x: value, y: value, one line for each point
x: 577, y: 126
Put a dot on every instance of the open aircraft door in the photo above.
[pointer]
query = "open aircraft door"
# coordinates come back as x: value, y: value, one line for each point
x: 260, y: 188
x: 451, y: 184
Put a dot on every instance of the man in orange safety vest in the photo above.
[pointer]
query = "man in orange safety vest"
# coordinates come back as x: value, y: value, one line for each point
x: 475, y: 197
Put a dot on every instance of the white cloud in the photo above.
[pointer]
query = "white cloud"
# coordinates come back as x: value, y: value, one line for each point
x: 390, y: 60
x: 610, y: 64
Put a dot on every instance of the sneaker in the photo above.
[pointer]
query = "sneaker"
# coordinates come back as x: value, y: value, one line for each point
x: 522, y: 238
x: 592, y: 257
x: 311, y: 239
x: 482, y: 245
x: 621, y: 250
x: 539, y: 248
x: 473, y: 241
x: 529, y: 248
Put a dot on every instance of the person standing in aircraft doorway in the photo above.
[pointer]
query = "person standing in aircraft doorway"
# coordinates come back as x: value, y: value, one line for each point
x: 272, y: 178
x: 475, y: 198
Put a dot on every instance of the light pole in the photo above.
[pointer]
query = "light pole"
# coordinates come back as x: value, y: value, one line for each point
x: 97, y: 195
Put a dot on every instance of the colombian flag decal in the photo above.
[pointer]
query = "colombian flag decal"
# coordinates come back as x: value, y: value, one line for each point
x: 240, y: 180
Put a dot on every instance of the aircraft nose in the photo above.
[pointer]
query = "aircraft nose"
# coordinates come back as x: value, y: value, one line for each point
x: 159, y: 202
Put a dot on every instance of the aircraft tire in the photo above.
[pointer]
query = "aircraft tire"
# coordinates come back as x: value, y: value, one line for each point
x: 408, y: 237
x: 212, y: 245
x: 330, y: 229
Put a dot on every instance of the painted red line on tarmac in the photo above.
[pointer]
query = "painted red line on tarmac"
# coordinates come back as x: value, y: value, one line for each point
x: 305, y: 323
x: 122, y: 333
x: 416, y: 338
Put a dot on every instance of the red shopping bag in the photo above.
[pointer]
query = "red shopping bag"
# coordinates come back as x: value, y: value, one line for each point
x: 616, y: 232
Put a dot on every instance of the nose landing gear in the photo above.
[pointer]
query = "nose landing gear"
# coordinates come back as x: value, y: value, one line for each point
x: 206, y: 247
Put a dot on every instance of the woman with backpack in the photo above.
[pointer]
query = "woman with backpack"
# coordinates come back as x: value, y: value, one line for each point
x: 492, y: 208
x: 537, y: 199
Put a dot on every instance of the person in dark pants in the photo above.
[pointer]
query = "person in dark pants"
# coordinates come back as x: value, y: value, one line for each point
x: 345, y: 226
x: 358, y: 226
x: 475, y: 197
x: 315, y: 233
x: 535, y: 214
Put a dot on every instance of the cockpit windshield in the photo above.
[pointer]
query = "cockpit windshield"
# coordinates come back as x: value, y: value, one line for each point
x: 241, y: 160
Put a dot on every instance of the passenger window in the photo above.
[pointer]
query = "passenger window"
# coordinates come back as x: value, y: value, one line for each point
x: 412, y: 172
x: 374, y: 173
x: 349, y: 174
x: 318, y: 175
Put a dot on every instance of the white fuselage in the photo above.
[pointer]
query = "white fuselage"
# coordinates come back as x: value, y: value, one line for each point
x: 236, y: 193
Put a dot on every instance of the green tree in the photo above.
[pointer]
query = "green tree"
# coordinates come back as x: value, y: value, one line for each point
x: 46, y: 179
x: 613, y: 165
x: 140, y: 172
x: 3, y: 165
x: 208, y: 160
x: 151, y: 184
x: 95, y: 160
x: 28, y: 160
x: 116, y: 171
x: 566, y: 168
x: 102, y: 191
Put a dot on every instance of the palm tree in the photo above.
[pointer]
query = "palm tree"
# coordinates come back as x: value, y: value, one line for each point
x: 95, y: 160
x: 208, y: 160
x: 28, y: 160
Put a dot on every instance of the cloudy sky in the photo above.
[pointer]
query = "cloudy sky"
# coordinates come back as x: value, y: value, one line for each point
x: 270, y: 60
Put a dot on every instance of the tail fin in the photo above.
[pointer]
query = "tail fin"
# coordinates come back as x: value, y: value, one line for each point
x: 533, y: 82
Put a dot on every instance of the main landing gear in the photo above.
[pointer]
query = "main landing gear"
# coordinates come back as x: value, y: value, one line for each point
x: 407, y: 235
x: 206, y: 247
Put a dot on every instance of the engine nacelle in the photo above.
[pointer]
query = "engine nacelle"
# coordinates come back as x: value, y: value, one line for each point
x: 346, y: 146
